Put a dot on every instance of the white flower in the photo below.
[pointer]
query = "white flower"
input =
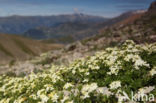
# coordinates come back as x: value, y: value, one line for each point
x: 153, y: 71
x: 48, y: 87
x: 87, y: 73
x: 55, y: 77
x: 44, y: 98
x: 96, y: 67
x: 33, y: 96
x: 115, y: 85
x: 129, y: 57
x: 114, y: 70
x: 137, y: 60
x: 73, y: 71
x: 70, y: 102
x: 88, y: 89
x: 111, y: 59
x: 85, y: 80
x: 55, y: 98
x: 140, y: 62
x: 67, y: 85
x: 40, y: 92
x: 104, y: 91
x: 6, y: 101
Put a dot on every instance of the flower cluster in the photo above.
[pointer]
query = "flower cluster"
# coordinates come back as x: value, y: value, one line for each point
x: 96, y: 79
x: 115, y: 85
x: 88, y: 89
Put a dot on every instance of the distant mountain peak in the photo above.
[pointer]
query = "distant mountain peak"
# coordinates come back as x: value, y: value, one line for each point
x: 153, y: 6
x: 152, y: 9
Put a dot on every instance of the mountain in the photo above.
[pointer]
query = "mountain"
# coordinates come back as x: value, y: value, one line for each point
x: 13, y: 47
x: 123, y: 17
x: 20, y: 24
x: 75, y: 30
x: 152, y: 8
x: 140, y: 28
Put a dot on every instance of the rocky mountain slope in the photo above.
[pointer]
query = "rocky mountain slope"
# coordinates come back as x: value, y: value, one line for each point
x: 141, y: 30
x: 13, y: 47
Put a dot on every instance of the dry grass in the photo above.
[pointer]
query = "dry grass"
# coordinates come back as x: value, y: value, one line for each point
x: 13, y: 47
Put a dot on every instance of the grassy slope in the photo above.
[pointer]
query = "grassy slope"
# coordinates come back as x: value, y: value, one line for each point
x: 16, y: 47
x: 2, y: 48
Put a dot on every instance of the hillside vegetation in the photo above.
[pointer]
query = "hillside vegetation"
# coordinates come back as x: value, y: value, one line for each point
x: 97, y: 79
x: 116, y: 66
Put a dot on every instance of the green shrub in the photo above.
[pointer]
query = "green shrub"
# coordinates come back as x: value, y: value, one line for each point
x: 11, y: 74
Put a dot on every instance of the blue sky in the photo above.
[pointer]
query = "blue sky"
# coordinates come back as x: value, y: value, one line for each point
x: 106, y: 8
